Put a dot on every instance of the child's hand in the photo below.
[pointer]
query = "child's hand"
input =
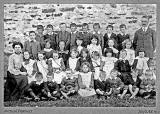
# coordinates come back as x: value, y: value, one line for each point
x: 49, y: 94
x: 54, y: 92
x: 23, y: 73
x: 89, y: 89
x: 72, y: 91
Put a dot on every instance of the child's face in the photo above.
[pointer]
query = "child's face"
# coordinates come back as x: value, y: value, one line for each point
x: 48, y: 45
x: 61, y: 45
x: 128, y: 45
x: 49, y: 78
x: 63, y: 27
x: 32, y: 36
x: 55, y: 55
x: 94, y: 41
x: 26, y: 55
x: 69, y: 74
x: 17, y: 48
x: 110, y: 43
x: 40, y: 31
x: 40, y: 56
x: 96, y: 28
x: 85, y: 68
x: 73, y: 54
x: 123, y: 30
x: 79, y: 42
x: 109, y: 30
x: 49, y: 30
x: 114, y: 74
x: 85, y: 28
x: 84, y: 54
x: 103, y: 76
x: 123, y: 54
x: 141, y: 54
x: 73, y: 28
x: 95, y: 57
x: 39, y: 79
x: 109, y: 54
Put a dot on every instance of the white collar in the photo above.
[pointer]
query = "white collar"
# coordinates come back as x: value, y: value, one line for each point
x: 39, y: 82
x: 33, y: 40
x: 96, y: 32
x: 73, y: 32
x: 70, y: 77
x: 122, y: 33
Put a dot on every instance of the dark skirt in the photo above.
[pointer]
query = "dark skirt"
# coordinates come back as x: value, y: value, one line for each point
x: 15, y: 86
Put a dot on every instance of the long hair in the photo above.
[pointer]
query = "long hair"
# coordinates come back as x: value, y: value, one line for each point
x: 87, y: 64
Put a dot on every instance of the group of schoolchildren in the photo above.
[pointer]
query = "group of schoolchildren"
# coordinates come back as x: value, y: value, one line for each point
x: 63, y: 64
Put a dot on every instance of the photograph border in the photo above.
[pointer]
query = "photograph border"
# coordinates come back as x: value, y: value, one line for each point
x: 77, y: 110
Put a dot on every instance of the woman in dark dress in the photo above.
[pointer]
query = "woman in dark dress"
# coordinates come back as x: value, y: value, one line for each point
x: 16, y: 75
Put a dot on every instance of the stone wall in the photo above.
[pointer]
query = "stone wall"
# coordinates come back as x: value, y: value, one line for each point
x: 21, y: 18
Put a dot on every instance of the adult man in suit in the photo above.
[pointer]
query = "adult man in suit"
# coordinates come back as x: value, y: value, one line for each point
x: 145, y: 38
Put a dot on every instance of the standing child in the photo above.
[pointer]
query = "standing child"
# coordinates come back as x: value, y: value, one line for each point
x: 74, y: 34
x: 96, y: 61
x: 96, y: 31
x: 28, y: 65
x: 102, y: 85
x: 58, y: 67
x: 116, y: 83
x: 140, y: 62
x: 85, y: 35
x: 130, y: 52
x: 122, y: 36
x: 63, y: 52
x: 84, y: 57
x: 124, y: 69
x: 51, y: 87
x: 48, y: 51
x: 135, y: 86
x: 36, y: 88
x: 85, y: 81
x: 64, y: 35
x: 94, y: 46
x: 51, y: 36
x: 109, y: 35
x: 40, y: 36
x: 32, y: 46
x: 69, y: 84
x: 108, y: 61
x: 147, y: 86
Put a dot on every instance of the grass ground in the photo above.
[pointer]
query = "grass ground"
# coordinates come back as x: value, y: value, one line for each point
x: 78, y: 101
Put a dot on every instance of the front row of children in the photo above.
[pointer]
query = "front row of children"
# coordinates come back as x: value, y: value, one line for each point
x: 121, y: 81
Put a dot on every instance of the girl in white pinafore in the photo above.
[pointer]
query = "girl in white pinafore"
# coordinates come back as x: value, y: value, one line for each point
x: 85, y: 81
x: 28, y: 65
x: 58, y: 67
x: 108, y: 61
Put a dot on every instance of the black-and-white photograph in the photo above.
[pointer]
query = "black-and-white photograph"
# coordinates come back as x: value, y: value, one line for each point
x: 79, y: 55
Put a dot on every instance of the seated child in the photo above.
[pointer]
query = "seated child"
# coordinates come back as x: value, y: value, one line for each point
x: 69, y: 84
x: 147, y: 86
x: 84, y: 57
x: 108, y: 61
x: 140, y: 62
x: 36, y: 88
x: 51, y: 87
x: 116, y: 83
x: 58, y: 67
x: 124, y: 69
x: 96, y: 61
x: 102, y: 86
x: 72, y: 61
x: 85, y: 81
x: 79, y: 41
x: 134, y: 87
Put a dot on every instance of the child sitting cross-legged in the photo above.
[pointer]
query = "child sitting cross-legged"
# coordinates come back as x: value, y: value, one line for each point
x: 69, y: 84
x: 51, y: 87
x: 147, y: 86
x: 36, y: 88
x: 116, y: 83
x: 134, y: 87
x: 102, y: 86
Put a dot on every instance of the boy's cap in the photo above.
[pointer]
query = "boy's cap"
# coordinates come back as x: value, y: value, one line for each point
x: 40, y: 27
